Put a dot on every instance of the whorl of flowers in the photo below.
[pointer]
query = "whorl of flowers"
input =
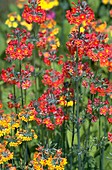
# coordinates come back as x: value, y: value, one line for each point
x: 80, y: 13
x: 33, y: 12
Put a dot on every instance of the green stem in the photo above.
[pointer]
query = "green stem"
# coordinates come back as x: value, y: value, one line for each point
x: 78, y: 125
x: 100, y: 147
x: 14, y: 90
x: 73, y: 129
x: 22, y: 102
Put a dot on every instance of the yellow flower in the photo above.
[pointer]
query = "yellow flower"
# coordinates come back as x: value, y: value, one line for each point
x: 82, y: 29
x: 105, y: 1
x: 5, y: 154
x: 26, y: 116
x: 63, y: 102
x: 24, y: 135
x: 25, y: 24
x: 55, y: 31
x: 13, y: 20
x: 101, y: 27
x: 48, y: 4
x: 14, y: 24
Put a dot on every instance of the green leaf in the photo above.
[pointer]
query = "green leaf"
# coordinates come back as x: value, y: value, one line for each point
x: 2, y: 44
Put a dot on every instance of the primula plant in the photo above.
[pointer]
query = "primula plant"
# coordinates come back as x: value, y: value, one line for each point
x: 58, y: 113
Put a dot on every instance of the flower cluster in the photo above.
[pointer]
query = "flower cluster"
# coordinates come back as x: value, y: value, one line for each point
x: 80, y: 13
x: 53, y: 78
x: 48, y: 112
x: 26, y: 135
x: 48, y: 43
x: 5, y: 154
x: 19, y: 47
x: 50, y: 158
x: 21, y: 79
x: 27, y: 114
x: 14, y: 20
x: 87, y: 39
x: 34, y: 13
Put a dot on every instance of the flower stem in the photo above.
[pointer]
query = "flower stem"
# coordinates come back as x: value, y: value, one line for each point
x: 22, y: 102
x: 78, y: 126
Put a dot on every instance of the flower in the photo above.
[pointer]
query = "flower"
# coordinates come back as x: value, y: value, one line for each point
x: 27, y: 114
x: 25, y: 135
x: 77, y: 16
x: 110, y: 136
x: 49, y: 158
x: 103, y: 110
x: 19, y: 48
x: 34, y: 14
x: 5, y: 154
x: 48, y: 4
x: 53, y: 78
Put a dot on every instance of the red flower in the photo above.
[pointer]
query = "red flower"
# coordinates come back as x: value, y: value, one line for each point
x: 53, y: 78
x: 110, y: 136
x: 103, y: 110
x: 109, y: 120
x: 19, y: 49
x: 80, y: 13
x: 93, y: 89
x: 110, y: 110
x: 34, y: 14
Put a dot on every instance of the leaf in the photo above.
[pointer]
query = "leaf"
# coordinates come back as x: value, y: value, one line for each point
x: 2, y: 44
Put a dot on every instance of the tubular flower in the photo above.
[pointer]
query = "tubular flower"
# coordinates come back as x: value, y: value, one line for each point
x: 20, y: 3
x: 34, y: 13
x: 64, y: 102
x: 80, y: 13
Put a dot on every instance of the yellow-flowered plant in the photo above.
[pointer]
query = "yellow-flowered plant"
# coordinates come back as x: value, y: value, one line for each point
x: 5, y: 154
x: 26, y: 116
x: 48, y: 4
x: 50, y: 159
x: 15, y: 19
x: 64, y: 102
x: 25, y: 135
x: 4, y: 126
x: 107, y: 1
x: 45, y: 4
